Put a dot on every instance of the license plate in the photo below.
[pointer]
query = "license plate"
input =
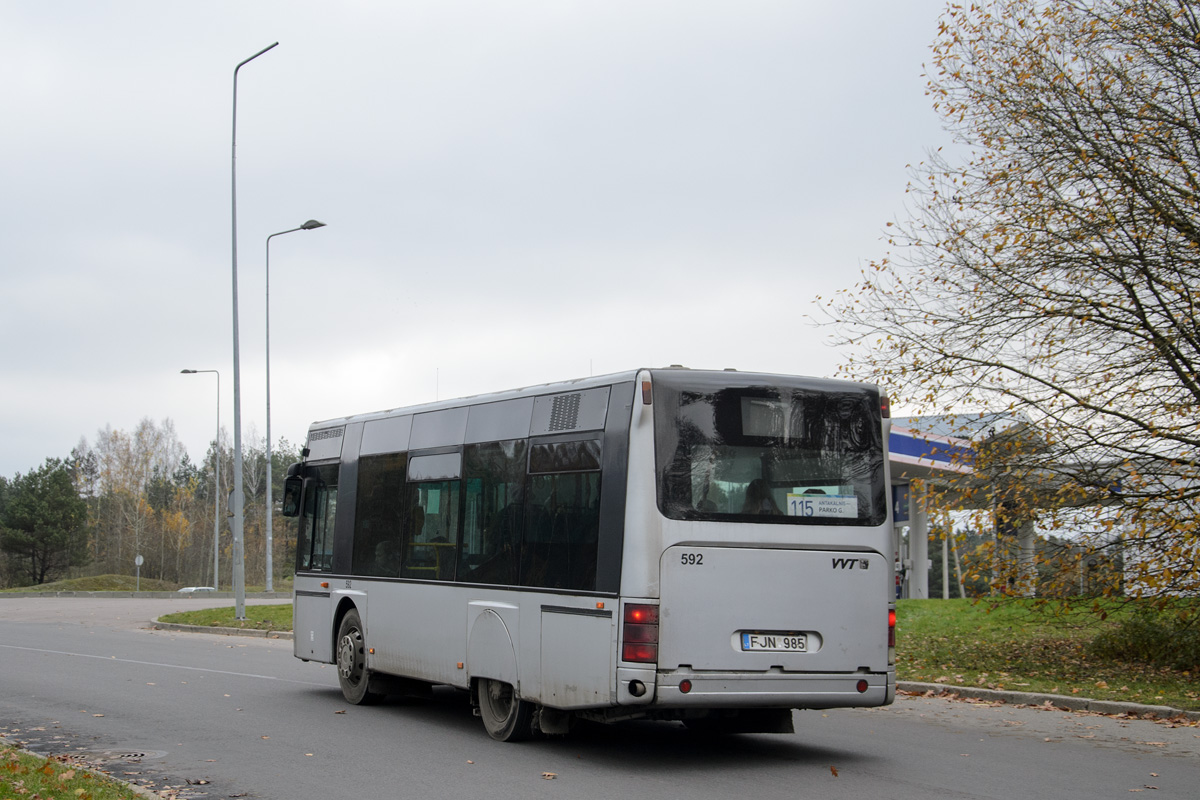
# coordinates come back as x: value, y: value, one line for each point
x: 761, y: 641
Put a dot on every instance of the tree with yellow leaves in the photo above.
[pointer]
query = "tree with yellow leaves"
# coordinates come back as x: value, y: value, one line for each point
x: 1049, y: 267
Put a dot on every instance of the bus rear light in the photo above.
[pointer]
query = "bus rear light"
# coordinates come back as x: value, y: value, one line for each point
x: 891, y: 650
x: 641, y: 614
x: 647, y: 393
x: 862, y: 687
x: 645, y: 653
x: 685, y: 686
x: 885, y: 406
x: 639, y: 634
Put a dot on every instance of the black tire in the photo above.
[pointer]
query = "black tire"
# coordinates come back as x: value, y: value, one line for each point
x: 353, y: 674
x: 505, y: 717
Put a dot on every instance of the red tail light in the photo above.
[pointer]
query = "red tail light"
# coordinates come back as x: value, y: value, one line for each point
x: 891, y: 627
x: 639, y: 635
x: 885, y: 406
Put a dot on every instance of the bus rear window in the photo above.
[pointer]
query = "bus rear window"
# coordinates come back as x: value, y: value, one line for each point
x: 791, y: 454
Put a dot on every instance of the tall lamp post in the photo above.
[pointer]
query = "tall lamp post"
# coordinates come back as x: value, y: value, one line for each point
x: 216, y: 480
x: 239, y: 546
x: 308, y: 226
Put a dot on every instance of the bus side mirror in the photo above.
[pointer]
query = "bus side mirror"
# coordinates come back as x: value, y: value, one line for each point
x: 293, y: 487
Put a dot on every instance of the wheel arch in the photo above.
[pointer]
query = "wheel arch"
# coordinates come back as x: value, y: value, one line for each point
x: 490, y: 650
x: 344, y: 606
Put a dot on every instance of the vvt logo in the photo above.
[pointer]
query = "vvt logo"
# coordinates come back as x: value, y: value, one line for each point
x: 851, y: 563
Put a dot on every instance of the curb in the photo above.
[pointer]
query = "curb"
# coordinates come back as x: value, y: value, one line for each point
x: 1058, y: 701
x: 253, y: 632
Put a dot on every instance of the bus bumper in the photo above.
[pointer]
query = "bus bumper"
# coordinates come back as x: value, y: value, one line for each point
x: 684, y: 689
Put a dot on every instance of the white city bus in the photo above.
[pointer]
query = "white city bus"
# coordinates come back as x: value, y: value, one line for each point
x: 702, y: 546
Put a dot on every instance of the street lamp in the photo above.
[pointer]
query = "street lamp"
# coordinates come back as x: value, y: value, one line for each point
x: 239, y: 547
x: 308, y: 226
x: 216, y: 480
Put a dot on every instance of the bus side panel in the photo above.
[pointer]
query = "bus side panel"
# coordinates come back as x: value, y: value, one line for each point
x: 643, y: 542
x: 577, y: 658
x: 417, y: 630
x: 313, y: 618
x: 712, y: 595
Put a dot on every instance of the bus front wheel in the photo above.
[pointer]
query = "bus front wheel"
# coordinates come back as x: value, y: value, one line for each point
x: 353, y: 674
x: 506, y: 717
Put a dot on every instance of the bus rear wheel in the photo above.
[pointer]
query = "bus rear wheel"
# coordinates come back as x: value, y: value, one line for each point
x: 353, y: 675
x: 505, y: 717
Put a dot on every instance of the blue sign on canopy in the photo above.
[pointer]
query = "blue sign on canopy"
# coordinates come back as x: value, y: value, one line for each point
x: 931, y: 451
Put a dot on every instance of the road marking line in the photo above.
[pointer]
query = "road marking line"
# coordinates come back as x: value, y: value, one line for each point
x: 160, y: 664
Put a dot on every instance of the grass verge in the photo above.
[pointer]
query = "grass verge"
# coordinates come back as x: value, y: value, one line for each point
x: 26, y: 775
x: 263, y: 618
x: 100, y: 583
x: 1022, y: 646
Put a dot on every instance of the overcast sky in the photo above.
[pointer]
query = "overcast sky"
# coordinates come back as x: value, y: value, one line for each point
x: 515, y: 193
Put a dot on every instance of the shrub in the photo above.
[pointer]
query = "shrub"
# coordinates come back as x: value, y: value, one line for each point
x: 1164, y: 639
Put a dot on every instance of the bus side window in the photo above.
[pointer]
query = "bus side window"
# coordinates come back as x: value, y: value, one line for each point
x: 562, y: 519
x: 430, y: 540
x: 378, y: 517
x: 495, y: 478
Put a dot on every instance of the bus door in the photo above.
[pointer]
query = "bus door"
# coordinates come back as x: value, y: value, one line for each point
x: 313, y: 498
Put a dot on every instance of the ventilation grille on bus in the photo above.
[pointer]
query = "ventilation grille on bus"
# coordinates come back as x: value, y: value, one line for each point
x: 564, y: 414
x: 328, y: 433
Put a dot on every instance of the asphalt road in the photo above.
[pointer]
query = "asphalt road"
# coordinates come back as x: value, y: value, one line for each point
x: 209, y: 716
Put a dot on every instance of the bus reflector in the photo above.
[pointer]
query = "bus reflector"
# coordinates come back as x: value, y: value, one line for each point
x: 685, y: 686
x: 862, y: 687
x: 639, y: 634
